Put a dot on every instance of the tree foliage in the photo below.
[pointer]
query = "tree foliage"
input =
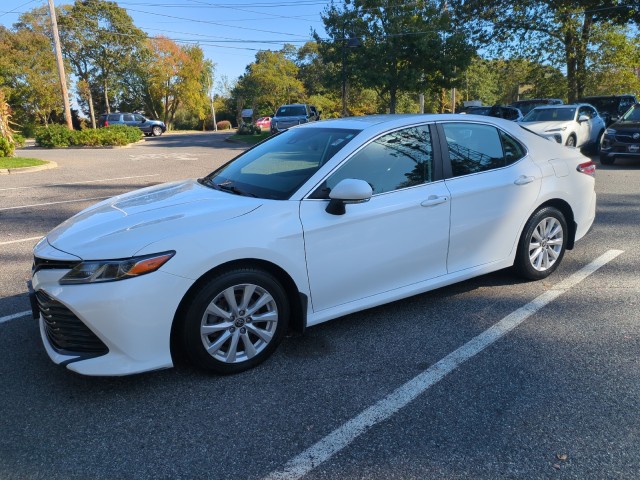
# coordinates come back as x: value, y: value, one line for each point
x: 100, y: 41
x: 559, y: 32
x: 406, y: 46
x: 29, y: 73
x: 176, y: 76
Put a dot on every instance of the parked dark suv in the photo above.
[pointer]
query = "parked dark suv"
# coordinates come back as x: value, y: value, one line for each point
x: 610, y: 107
x: 622, y: 138
x: 289, y: 116
x: 525, y: 106
x: 148, y: 126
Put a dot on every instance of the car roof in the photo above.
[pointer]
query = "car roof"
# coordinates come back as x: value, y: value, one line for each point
x: 389, y: 121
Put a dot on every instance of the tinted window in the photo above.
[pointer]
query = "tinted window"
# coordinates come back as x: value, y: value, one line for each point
x: 475, y: 148
x: 139, y: 118
x: 114, y: 118
x: 127, y: 118
x: 542, y: 114
x: 279, y: 166
x: 292, y: 111
x: 397, y: 160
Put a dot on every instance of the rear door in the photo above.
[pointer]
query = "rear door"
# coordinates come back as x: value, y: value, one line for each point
x: 494, y: 185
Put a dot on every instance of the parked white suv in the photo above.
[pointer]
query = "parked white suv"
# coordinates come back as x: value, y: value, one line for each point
x: 577, y: 125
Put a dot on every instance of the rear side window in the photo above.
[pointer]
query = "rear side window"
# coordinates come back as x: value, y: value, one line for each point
x: 477, y: 148
x: 127, y: 118
x: 113, y: 118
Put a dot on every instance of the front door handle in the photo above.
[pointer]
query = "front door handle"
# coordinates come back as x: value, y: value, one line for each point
x: 434, y: 200
x: 523, y: 180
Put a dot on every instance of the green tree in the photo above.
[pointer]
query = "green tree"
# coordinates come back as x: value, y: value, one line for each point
x: 412, y: 45
x: 614, y: 62
x: 99, y: 39
x: 28, y: 70
x: 559, y: 32
x: 177, y: 77
x: 270, y: 81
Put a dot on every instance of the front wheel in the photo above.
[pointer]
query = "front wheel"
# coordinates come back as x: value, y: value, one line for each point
x: 571, y: 141
x: 236, y: 321
x: 542, y: 244
x: 157, y: 131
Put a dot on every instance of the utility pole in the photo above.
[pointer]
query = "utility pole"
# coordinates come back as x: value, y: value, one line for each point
x: 61, y: 74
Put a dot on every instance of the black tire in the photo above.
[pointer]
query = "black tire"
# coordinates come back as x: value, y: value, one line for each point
x: 226, y: 338
x: 156, y: 131
x: 539, y: 252
x: 596, y: 147
x: 606, y: 160
x: 571, y: 141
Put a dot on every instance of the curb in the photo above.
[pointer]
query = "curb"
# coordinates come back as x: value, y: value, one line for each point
x: 47, y: 166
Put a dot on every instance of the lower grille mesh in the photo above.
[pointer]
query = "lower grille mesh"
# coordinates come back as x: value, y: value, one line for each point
x: 65, y: 331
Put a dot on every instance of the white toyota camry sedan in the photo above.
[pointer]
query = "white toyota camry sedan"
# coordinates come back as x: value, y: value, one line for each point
x: 319, y: 221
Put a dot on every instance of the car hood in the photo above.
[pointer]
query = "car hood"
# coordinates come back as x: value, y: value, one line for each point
x: 627, y: 127
x: 541, y: 127
x: 121, y: 226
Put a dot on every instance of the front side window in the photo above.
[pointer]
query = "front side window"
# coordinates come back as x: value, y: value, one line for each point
x: 139, y: 118
x: 276, y: 168
x: 476, y: 148
x: 400, y: 159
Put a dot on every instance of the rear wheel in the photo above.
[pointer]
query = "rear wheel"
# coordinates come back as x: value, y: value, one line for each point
x: 236, y: 321
x: 542, y: 244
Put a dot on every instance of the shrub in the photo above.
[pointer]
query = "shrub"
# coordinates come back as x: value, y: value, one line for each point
x: 18, y: 140
x: 6, y: 147
x: 249, y: 129
x: 223, y: 125
x: 53, y: 136
x: 60, y: 136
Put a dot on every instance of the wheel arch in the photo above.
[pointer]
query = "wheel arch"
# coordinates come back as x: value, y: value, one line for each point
x: 567, y: 211
x: 298, y: 300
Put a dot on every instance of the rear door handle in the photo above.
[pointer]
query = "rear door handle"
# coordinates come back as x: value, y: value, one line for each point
x: 434, y: 200
x: 523, y: 180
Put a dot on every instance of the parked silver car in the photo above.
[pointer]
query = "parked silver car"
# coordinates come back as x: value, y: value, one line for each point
x: 289, y: 116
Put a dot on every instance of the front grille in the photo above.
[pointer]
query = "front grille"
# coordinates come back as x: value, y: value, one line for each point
x: 627, y: 139
x: 65, y: 331
x: 45, y: 264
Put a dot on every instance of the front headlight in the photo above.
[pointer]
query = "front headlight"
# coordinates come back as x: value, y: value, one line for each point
x: 96, y: 271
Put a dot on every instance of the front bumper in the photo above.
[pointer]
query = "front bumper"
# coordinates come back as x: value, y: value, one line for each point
x: 132, y: 318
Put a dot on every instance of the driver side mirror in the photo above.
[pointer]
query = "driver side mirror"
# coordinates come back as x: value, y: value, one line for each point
x: 583, y: 118
x: 348, y: 191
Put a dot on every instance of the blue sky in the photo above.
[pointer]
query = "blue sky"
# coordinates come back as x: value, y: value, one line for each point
x: 230, y: 32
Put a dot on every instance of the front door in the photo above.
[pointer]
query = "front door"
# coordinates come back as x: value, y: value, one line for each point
x: 398, y: 238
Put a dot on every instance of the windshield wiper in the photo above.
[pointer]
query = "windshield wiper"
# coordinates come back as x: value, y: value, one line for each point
x: 230, y: 187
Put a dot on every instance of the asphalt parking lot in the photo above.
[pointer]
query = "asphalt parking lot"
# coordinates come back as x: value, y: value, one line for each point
x: 490, y: 378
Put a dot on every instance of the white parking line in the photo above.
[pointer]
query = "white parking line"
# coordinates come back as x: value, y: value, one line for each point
x: 385, y: 408
x: 14, y: 316
x: 79, y: 183
x: 54, y: 203
x: 21, y: 240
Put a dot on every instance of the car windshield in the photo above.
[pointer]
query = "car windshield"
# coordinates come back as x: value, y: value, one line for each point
x: 632, y: 115
x: 292, y: 111
x: 276, y: 168
x: 550, y: 115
